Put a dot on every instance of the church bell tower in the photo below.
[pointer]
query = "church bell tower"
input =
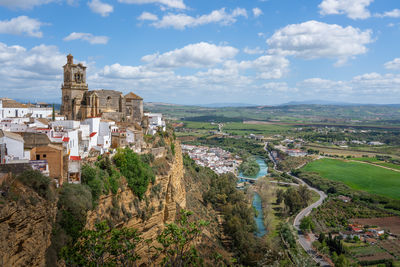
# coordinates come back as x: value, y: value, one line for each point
x: 73, y: 89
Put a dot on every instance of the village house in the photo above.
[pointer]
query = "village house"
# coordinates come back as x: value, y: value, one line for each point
x: 53, y: 154
x: 12, y: 146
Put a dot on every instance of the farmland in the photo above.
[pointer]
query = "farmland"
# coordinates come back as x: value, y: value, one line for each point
x: 359, y: 176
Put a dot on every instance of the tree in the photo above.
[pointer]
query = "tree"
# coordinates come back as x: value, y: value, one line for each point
x: 137, y: 173
x: 292, y: 200
x: 102, y: 247
x: 306, y: 224
x: 279, y: 196
x: 53, y: 114
x: 177, y: 241
x: 305, y: 194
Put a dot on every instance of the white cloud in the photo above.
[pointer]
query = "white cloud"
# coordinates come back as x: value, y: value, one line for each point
x: 368, y: 88
x: 92, y: 39
x: 21, y: 25
x: 253, y: 51
x: 393, y: 65
x: 182, y: 21
x: 395, y: 13
x: 100, y: 8
x: 278, y: 87
x: 270, y: 66
x: 169, y: 3
x: 193, y: 56
x: 313, y: 39
x: 354, y: 9
x: 30, y: 73
x: 257, y: 12
x: 23, y: 4
x: 148, y: 16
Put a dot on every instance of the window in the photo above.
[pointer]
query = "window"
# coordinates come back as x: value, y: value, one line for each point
x: 37, y: 157
x: 44, y: 156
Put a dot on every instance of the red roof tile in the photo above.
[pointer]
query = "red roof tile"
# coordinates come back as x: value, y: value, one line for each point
x: 92, y: 134
x: 65, y: 139
x: 75, y: 157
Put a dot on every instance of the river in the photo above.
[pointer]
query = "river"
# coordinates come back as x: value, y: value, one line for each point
x: 261, y: 230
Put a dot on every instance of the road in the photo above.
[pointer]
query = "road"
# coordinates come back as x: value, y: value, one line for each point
x: 303, y: 241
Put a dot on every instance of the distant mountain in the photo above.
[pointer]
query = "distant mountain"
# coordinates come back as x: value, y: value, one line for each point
x: 319, y: 102
x: 224, y: 105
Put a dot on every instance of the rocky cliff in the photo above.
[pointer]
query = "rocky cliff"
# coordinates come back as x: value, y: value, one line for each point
x: 160, y: 205
x: 26, y: 221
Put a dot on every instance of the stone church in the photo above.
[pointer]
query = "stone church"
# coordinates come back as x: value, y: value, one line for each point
x: 78, y: 103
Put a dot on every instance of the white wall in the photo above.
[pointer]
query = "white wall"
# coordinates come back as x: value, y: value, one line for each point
x: 73, y: 143
x: 67, y: 124
x: 40, y: 112
x: 15, y: 148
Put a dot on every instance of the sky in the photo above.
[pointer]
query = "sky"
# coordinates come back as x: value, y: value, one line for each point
x: 199, y: 52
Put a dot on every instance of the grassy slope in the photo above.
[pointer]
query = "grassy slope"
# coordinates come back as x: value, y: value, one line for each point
x: 359, y: 176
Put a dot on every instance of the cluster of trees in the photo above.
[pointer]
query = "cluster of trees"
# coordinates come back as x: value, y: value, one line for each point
x: 137, y: 173
x: 294, y: 198
x: 103, y: 246
x: 249, y: 167
x: 239, y: 217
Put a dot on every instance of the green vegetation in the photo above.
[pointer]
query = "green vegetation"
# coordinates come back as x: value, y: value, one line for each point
x: 137, y: 173
x: 307, y: 225
x: 100, y: 178
x: 38, y: 182
x: 103, y: 246
x: 296, y: 198
x: 358, y: 176
x: 249, y: 167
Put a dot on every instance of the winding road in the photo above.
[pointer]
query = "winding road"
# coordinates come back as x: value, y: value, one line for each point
x: 306, y: 243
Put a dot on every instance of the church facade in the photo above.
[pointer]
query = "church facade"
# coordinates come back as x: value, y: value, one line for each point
x: 78, y: 103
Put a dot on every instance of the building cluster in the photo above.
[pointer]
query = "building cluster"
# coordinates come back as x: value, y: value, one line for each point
x: 90, y: 123
x: 215, y: 158
x: 362, y: 233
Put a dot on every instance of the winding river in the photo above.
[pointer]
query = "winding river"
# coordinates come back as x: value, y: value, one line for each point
x: 261, y: 230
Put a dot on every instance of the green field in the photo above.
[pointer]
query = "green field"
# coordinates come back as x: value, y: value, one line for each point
x: 359, y: 176
x: 379, y: 162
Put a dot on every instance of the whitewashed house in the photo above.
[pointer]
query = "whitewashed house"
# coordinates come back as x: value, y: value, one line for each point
x: 10, y: 109
x: 13, y: 144
x: 40, y: 110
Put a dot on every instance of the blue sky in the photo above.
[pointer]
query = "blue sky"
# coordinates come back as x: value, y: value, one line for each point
x: 197, y: 52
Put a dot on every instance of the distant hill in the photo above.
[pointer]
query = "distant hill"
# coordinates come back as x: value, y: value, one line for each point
x: 319, y: 102
x: 222, y: 105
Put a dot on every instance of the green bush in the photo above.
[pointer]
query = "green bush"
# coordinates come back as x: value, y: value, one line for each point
x: 137, y: 173
x: 74, y: 202
x: 38, y: 182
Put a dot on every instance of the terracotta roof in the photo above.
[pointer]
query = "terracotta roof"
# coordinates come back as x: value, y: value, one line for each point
x: 11, y: 135
x: 133, y: 96
x: 92, y: 134
x: 35, y: 139
x: 75, y: 157
x: 65, y: 139
x: 12, y: 104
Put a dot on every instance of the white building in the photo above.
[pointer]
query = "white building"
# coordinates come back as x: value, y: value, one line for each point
x: 10, y: 108
x: 40, y: 110
x: 156, y: 122
x: 14, y: 146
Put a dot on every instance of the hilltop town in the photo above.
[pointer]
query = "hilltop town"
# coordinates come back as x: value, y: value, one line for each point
x: 89, y: 124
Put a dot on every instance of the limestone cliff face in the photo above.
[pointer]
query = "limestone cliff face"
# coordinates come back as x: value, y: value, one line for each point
x: 26, y: 221
x: 160, y: 205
